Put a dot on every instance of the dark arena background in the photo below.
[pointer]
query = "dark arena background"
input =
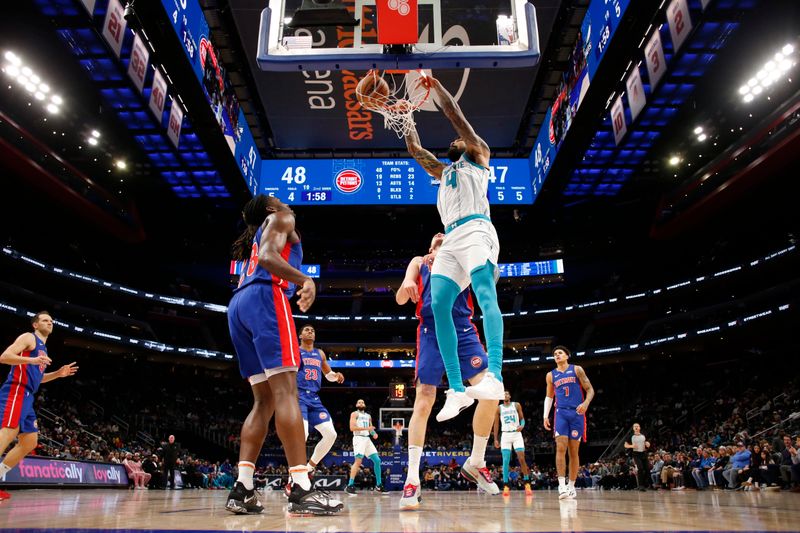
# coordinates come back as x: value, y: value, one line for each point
x: 643, y: 184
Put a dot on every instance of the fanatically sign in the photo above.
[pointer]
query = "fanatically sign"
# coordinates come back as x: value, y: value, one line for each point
x: 43, y: 471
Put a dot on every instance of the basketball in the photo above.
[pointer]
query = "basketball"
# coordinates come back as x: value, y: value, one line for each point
x: 372, y: 91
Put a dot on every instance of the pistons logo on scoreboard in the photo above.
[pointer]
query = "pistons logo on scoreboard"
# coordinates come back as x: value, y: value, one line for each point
x: 476, y: 362
x: 348, y: 180
x: 387, y: 363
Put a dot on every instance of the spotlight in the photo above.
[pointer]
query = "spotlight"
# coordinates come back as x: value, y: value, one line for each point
x: 674, y: 160
x: 95, y: 134
x: 698, y: 130
x: 786, y: 64
x: 39, y: 95
x: 35, y: 79
x: 44, y: 88
x: 757, y: 89
x: 26, y: 71
x: 56, y: 99
x: 92, y: 141
x: 52, y: 108
x: 788, y: 49
x: 121, y: 164
x: 748, y: 98
x: 744, y: 89
x: 702, y: 137
x: 11, y: 70
x: 14, y: 60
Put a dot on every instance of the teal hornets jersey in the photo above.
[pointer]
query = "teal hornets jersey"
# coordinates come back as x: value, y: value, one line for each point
x: 509, y: 418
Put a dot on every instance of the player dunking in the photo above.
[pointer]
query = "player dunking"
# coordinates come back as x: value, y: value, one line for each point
x: 28, y: 357
x: 567, y: 383
x: 264, y: 336
x: 362, y: 428
x: 416, y: 287
x: 468, y: 254
x: 314, y: 365
x: 510, y: 419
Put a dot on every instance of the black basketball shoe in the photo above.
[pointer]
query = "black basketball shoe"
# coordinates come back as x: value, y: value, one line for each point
x: 314, y: 501
x: 243, y: 501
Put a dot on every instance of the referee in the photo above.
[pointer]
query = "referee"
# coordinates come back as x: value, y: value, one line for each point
x: 639, y: 445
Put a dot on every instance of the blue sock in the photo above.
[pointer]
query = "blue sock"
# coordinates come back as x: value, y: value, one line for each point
x: 506, y: 464
x: 444, y: 292
x: 376, y: 467
x: 526, y: 478
x: 483, y: 284
x: 351, y: 482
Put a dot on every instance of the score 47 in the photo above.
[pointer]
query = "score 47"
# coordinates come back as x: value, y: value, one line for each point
x: 498, y: 173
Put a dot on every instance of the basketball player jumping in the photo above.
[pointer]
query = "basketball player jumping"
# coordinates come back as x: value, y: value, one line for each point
x: 510, y: 418
x: 416, y: 287
x: 264, y: 336
x: 468, y: 254
x: 28, y: 357
x: 567, y: 383
x: 362, y: 428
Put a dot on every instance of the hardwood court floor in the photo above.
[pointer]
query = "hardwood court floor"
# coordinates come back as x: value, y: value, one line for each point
x: 115, y: 510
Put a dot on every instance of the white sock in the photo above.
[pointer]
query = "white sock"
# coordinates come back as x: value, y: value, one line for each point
x: 246, y: 470
x: 4, y: 469
x: 562, y: 482
x: 571, y: 484
x: 300, y: 476
x: 414, y: 456
x: 310, y: 467
x: 478, y: 451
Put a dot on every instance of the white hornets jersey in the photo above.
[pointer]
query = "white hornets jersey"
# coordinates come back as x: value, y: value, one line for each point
x: 363, y: 420
x: 509, y: 418
x: 463, y: 191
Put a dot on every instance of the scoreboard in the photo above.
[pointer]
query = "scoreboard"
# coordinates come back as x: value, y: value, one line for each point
x: 380, y: 182
x: 532, y: 268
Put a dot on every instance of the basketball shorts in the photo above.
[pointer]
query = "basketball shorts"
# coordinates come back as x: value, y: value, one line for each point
x: 311, y: 408
x: 263, y: 332
x: 16, y: 406
x: 466, y: 248
x: 512, y: 440
x: 429, y: 364
x: 363, y: 446
x: 568, y: 423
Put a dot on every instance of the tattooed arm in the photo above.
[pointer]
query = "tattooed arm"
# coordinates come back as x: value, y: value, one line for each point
x: 428, y: 161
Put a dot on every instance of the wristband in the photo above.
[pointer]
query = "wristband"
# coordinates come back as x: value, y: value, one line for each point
x: 372, y: 433
x: 522, y: 424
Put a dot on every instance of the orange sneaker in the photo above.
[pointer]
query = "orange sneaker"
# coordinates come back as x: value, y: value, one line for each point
x: 506, y: 491
x: 528, y: 490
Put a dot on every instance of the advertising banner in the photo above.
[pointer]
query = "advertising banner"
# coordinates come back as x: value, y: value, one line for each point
x: 45, y: 471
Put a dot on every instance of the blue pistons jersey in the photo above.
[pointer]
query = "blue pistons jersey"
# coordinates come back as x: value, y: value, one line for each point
x: 569, y: 393
x: 252, y: 272
x: 309, y: 375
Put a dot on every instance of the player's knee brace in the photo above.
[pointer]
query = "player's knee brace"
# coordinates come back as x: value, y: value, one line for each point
x: 328, y: 433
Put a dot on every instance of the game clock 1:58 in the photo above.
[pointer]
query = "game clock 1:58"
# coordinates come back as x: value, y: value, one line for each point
x: 316, y: 196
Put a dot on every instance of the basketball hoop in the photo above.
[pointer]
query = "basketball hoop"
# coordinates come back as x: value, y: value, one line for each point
x: 405, y: 95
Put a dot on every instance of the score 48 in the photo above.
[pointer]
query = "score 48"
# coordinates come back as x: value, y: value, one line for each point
x: 294, y: 176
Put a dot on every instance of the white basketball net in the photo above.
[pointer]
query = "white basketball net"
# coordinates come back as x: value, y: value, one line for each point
x: 406, y: 95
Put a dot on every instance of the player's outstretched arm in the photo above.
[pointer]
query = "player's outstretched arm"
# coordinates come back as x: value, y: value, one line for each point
x: 24, y: 343
x: 279, y: 226
x: 63, y: 372
x: 408, y: 289
x: 477, y: 148
x: 428, y: 161
x: 587, y: 386
x: 329, y: 374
